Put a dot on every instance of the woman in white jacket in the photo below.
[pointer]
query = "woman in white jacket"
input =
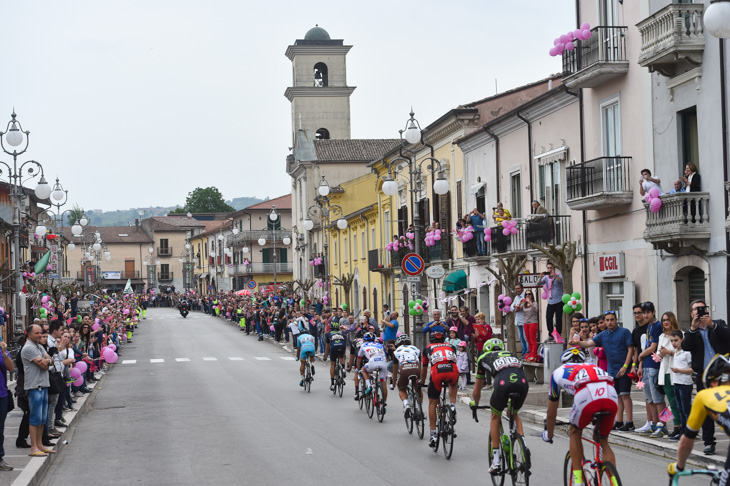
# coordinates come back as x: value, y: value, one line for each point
x: 666, y: 351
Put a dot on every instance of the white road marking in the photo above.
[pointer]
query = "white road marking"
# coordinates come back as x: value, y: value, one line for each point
x: 182, y: 359
x: 210, y: 359
x: 157, y: 361
x: 129, y: 361
x: 236, y: 358
x: 262, y: 358
x: 288, y: 358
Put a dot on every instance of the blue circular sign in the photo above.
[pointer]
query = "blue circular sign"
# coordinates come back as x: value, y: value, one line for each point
x: 251, y: 284
x: 412, y: 264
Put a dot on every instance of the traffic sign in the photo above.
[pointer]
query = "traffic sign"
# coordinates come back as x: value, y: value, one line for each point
x: 251, y: 284
x: 529, y: 280
x: 413, y: 264
x: 409, y: 279
x: 435, y: 272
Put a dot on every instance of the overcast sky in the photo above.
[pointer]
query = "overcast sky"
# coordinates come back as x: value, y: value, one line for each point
x: 135, y: 103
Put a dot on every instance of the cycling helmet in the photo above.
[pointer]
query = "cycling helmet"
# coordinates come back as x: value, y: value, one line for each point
x: 436, y: 337
x: 403, y: 340
x: 493, y: 344
x: 368, y: 337
x: 573, y: 355
x: 718, y: 369
x: 335, y: 325
x: 359, y: 334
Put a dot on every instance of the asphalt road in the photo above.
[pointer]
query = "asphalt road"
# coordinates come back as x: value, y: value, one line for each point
x: 202, y: 418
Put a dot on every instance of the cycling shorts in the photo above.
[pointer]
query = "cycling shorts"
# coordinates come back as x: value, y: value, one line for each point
x: 337, y: 351
x: 405, y: 371
x: 306, y: 349
x: 376, y: 364
x: 440, y: 372
x: 591, y: 399
x: 506, y: 382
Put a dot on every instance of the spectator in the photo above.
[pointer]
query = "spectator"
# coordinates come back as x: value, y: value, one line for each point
x: 574, y: 332
x: 390, y: 326
x: 618, y: 346
x: 436, y: 325
x: 537, y: 208
x: 554, y: 283
x: 386, y: 311
x: 371, y: 322
x: 529, y: 310
x: 682, y: 378
x: 649, y: 370
x: 638, y: 337
x: 704, y: 339
x: 691, y: 180
x: 678, y: 187
x: 666, y: 350
x: 500, y: 214
x: 36, y: 363
x: 647, y: 183
x: 518, y: 308
x: 477, y: 222
x: 466, y: 330
x: 6, y: 364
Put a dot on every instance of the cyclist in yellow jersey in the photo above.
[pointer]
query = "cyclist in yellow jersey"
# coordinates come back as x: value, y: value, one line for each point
x: 712, y: 401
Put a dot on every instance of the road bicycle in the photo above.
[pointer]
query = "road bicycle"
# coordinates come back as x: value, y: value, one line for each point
x: 415, y: 414
x: 596, y: 472
x: 377, y: 394
x: 714, y: 475
x: 339, y: 378
x: 307, y: 375
x: 363, y: 401
x: 445, y: 420
x: 514, y: 454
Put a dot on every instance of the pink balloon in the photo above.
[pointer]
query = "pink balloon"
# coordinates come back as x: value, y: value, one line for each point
x: 112, y: 346
x: 125, y: 312
x: 507, y: 300
x: 505, y: 231
x: 437, y: 236
x: 544, y: 295
x: 95, y: 327
x: 79, y: 382
x: 81, y: 366
x: 654, y: 192
x: 571, y: 35
x: 556, y: 41
x: 108, y: 353
x: 585, y: 26
x: 75, y: 373
x: 569, y: 46
x: 564, y: 38
x: 514, y: 230
x: 111, y: 357
x: 578, y: 34
x: 586, y: 34
x: 647, y: 197
x: 655, y: 205
x: 44, y: 299
x: 553, y: 52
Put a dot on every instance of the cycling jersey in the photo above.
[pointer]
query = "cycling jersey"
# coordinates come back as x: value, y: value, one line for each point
x: 407, y: 354
x: 571, y: 377
x: 492, y: 362
x: 335, y: 338
x: 442, y: 357
x: 436, y: 353
x: 306, y: 345
x: 712, y: 402
x: 373, y: 351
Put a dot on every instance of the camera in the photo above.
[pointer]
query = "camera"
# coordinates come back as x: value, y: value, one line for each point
x: 701, y: 311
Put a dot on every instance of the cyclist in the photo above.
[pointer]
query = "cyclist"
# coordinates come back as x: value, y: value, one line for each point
x: 306, y: 344
x: 594, y: 392
x: 375, y: 354
x: 508, y: 378
x: 442, y: 357
x: 713, y: 401
x: 355, y: 344
x: 406, y: 364
x: 335, y: 348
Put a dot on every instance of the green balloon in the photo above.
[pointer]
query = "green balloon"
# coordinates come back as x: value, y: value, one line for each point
x: 411, y: 311
x: 576, y: 295
x: 344, y: 306
x: 567, y: 309
x: 411, y: 303
x: 419, y: 312
x: 419, y: 302
x: 79, y: 319
x: 578, y: 307
x: 566, y: 298
x: 302, y: 303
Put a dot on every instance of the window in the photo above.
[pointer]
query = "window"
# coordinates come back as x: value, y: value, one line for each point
x: 613, y: 299
x: 373, y: 241
x: 611, y: 129
x: 354, y: 246
x: 386, y: 225
x: 164, y: 243
x: 516, y: 194
x: 541, y: 183
x: 459, y: 212
x: 320, y: 75
x: 301, y: 211
x: 344, y: 248
x: 550, y: 187
x: 481, y: 201
x: 164, y: 271
x: 690, y: 150
x: 334, y: 249
x: 364, y: 245
x: 322, y: 134
x: 273, y: 225
x: 608, y: 12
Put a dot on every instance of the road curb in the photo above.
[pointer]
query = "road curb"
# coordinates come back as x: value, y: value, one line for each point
x: 36, y: 469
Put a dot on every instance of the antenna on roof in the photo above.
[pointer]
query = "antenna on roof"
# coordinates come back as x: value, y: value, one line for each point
x: 300, y: 121
x: 496, y: 91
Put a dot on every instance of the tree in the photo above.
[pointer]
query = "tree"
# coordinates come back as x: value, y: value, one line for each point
x: 75, y: 214
x: 205, y: 200
x: 304, y: 286
x: 563, y: 258
x: 506, y: 274
x: 345, y: 282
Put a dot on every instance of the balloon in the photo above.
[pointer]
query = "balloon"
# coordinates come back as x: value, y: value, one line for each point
x: 585, y: 26
x: 544, y: 295
x: 344, y: 306
x: 81, y: 366
x: 567, y: 309
x: 578, y: 307
x: 507, y: 300
x: 411, y: 303
x: 553, y: 52
x: 111, y: 357
x: 564, y: 38
x: 44, y: 299
x: 586, y: 34
x: 79, y: 382
x: 655, y: 205
x: 411, y: 311
x: 75, y: 373
x: 654, y: 192
x: 578, y: 34
x: 569, y: 46
x: 571, y: 35
x: 125, y: 312
x: 112, y: 346
x: 271, y: 327
x: 419, y: 302
x: 95, y: 327
x: 437, y: 236
x: 647, y: 197
x: 506, y: 231
x: 556, y: 41
x: 302, y: 303
x: 566, y: 298
x: 575, y: 295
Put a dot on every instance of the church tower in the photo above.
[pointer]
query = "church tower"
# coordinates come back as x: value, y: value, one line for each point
x: 319, y: 95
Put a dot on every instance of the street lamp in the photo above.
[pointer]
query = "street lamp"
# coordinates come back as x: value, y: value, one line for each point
x: 324, y: 188
x: 324, y: 211
x: 14, y: 136
x: 276, y: 235
x: 273, y: 215
x: 717, y: 19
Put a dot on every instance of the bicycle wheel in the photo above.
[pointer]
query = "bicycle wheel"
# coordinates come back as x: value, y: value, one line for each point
x: 438, y: 427
x: 337, y: 379
x: 380, y: 393
x: 608, y: 476
x: 409, y: 416
x: 308, y: 380
x: 419, y: 417
x: 568, y: 472
x: 520, y: 462
x: 369, y: 404
x: 447, y: 432
x: 496, y: 480
x: 361, y: 402
x: 340, y: 383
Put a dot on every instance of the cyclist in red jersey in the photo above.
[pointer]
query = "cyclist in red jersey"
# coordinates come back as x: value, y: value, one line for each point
x: 442, y: 357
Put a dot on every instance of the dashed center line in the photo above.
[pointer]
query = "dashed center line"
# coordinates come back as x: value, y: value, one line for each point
x: 157, y: 361
x: 182, y: 359
x: 236, y: 358
x: 288, y: 358
x: 262, y: 358
x: 210, y: 359
x: 129, y: 361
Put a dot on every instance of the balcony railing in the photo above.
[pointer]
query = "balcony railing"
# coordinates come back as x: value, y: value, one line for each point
x: 600, y: 183
x: 166, y: 277
x: 538, y: 229
x: 164, y: 251
x: 258, y: 267
x: 674, y: 33
x: 254, y: 235
x: 682, y: 222
x: 319, y: 270
x: 596, y: 60
x: 380, y: 260
x: 727, y: 220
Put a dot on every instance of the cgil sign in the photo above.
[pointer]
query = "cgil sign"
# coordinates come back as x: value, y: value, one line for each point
x: 611, y: 265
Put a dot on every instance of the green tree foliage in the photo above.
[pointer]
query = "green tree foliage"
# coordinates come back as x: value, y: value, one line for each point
x: 205, y: 200
x: 75, y: 214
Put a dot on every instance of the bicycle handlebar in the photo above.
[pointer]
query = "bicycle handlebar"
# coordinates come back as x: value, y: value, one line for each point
x: 474, y: 411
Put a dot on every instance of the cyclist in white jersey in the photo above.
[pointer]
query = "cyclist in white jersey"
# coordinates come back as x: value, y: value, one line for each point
x: 375, y: 354
x: 407, y: 363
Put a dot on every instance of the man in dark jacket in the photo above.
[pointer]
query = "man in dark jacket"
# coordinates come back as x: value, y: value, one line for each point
x: 704, y: 339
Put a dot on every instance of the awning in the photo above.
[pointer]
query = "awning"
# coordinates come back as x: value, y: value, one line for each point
x: 203, y: 275
x: 455, y: 281
x: 477, y: 187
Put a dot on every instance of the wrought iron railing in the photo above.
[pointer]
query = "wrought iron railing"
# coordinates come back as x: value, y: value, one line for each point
x: 601, y: 175
x: 606, y: 44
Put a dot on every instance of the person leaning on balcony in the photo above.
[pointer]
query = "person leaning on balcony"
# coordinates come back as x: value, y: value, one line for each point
x: 691, y: 178
x: 678, y: 187
x: 477, y: 222
x: 500, y: 214
x: 647, y: 182
x: 537, y: 208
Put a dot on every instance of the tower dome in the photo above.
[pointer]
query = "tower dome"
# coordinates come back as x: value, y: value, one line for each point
x: 317, y: 33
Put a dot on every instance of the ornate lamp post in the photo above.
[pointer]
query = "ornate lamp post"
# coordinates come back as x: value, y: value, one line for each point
x: 277, y: 234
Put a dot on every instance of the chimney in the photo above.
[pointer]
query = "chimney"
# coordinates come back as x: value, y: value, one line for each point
x: 136, y: 224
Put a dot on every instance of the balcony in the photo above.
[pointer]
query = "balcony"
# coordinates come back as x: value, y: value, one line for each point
x: 261, y: 268
x: 165, y: 277
x: 673, y: 34
x: 319, y: 270
x: 380, y: 260
x: 164, y: 251
x: 253, y: 236
x: 600, y: 183
x: 596, y: 60
x: 682, y: 224
x: 727, y: 220
x: 538, y: 229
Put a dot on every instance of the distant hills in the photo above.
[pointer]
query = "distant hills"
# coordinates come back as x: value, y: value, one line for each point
x: 126, y: 217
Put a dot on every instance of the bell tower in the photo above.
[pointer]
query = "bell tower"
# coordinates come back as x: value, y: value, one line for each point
x: 319, y: 95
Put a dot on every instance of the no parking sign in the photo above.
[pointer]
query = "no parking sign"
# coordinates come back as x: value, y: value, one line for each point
x: 251, y: 284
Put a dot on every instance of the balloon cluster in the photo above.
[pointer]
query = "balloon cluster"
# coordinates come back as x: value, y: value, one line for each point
x: 487, y: 234
x: 565, y: 41
x: 28, y: 274
x: 325, y: 299
x: 655, y: 202
x: 343, y: 306
x: 109, y: 353
x: 503, y: 303
x: 572, y: 303
x: 246, y: 263
x: 465, y: 234
x: 399, y: 243
x: 410, y: 235
x: 432, y: 237
x: 315, y: 261
x: 415, y: 307
x: 509, y: 228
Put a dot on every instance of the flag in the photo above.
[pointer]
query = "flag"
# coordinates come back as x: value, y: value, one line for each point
x: 40, y: 267
x: 128, y: 287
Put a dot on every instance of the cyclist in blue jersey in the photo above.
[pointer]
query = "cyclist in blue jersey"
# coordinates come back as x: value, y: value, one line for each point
x: 306, y: 344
